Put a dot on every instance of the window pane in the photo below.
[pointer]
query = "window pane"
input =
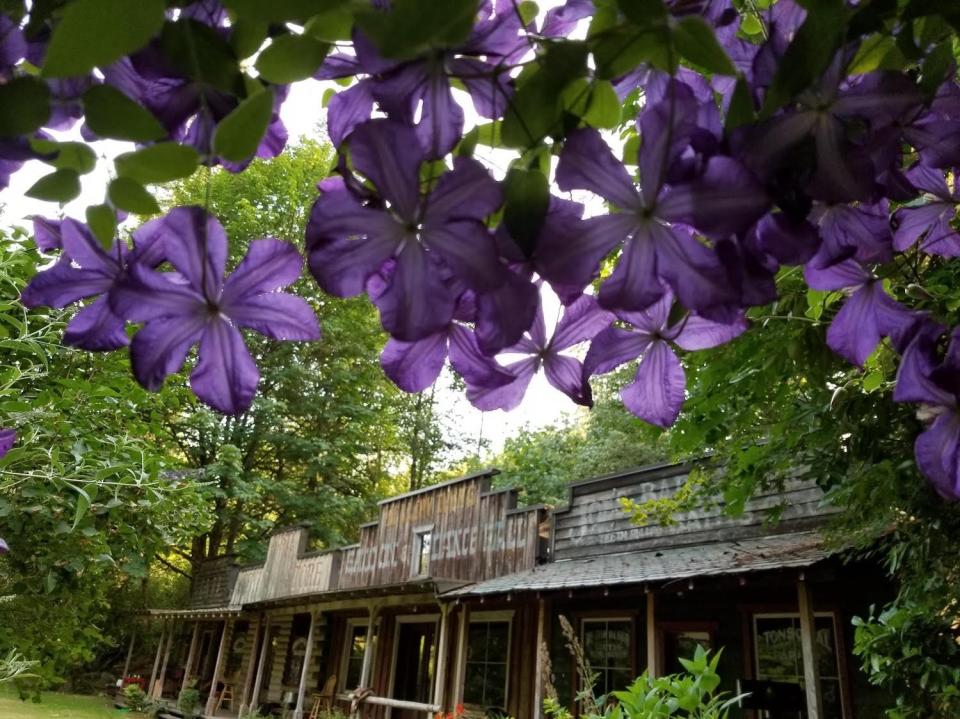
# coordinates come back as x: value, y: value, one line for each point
x: 778, y: 649
x: 358, y: 642
x: 499, y: 635
x: 496, y: 686
x: 485, y: 684
x: 826, y: 651
x: 594, y: 646
x: 477, y: 642
x: 618, y: 644
x: 619, y: 680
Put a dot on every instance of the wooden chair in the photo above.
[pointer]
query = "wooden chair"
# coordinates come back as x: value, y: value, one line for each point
x: 324, y: 700
x: 226, y: 695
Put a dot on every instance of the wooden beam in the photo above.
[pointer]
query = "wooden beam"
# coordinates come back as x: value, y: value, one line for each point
x: 264, y: 646
x: 305, y: 670
x: 156, y: 661
x: 218, y: 667
x: 251, y: 666
x: 166, y: 660
x: 441, y: 665
x: 539, y: 668
x: 808, y: 643
x: 126, y: 664
x: 367, y: 665
x: 191, y: 655
x: 460, y: 668
x: 652, y: 668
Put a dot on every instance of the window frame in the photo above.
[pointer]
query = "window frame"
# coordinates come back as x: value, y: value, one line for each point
x: 505, y: 615
x: 596, y: 618
x: 351, y: 624
x: 839, y: 647
x: 416, y: 554
x: 409, y: 619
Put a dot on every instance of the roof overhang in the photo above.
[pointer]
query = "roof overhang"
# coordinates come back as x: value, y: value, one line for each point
x: 203, y: 613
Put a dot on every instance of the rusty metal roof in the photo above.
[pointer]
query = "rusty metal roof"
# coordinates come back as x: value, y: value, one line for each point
x: 797, y: 549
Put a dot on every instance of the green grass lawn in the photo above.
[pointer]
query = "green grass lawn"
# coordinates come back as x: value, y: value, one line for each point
x: 60, y: 706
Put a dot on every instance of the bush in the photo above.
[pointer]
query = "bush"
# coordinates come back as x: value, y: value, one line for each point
x: 136, y: 699
x: 189, y: 701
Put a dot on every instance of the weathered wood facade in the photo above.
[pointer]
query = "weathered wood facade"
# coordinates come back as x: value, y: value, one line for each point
x: 446, y: 597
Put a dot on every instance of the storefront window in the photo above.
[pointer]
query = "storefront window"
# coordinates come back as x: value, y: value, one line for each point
x: 296, y: 649
x: 353, y: 664
x: 488, y: 657
x: 607, y: 647
x: 779, y: 656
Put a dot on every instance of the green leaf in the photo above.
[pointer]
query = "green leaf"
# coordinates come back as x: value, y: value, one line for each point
x: 76, y: 156
x: 94, y: 33
x: 603, y: 110
x: 621, y: 49
x: 468, y: 144
x: 412, y: 27
x: 872, y: 380
x: 327, y: 96
x: 83, y: 504
x: 878, y: 52
x: 527, y: 197
x: 239, y: 133
x: 631, y: 150
x: 163, y: 162
x: 489, y: 134
x: 696, y: 42
x: 290, y: 58
x: 809, y: 54
x: 130, y: 195
x: 103, y: 223
x: 60, y: 186
x: 112, y: 114
x: 331, y: 25
x: 740, y: 112
x: 750, y: 24
x: 200, y: 52
x: 528, y: 11
x: 247, y: 36
x: 24, y: 106
x: 279, y: 11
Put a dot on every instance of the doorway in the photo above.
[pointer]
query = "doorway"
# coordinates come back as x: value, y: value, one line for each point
x: 415, y: 657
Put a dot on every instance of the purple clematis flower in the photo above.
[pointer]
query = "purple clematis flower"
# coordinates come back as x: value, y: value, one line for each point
x: 419, y: 91
x: 86, y: 270
x: 13, y: 46
x: 4, y: 547
x: 7, y: 439
x: 656, y: 253
x: 581, y: 320
x: 429, y: 237
x: 657, y: 393
x: 859, y: 232
x: 929, y: 223
x: 930, y: 381
x: 196, y: 305
x: 868, y: 315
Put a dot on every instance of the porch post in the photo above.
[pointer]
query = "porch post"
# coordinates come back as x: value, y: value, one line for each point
x: 460, y: 670
x: 191, y: 654
x: 264, y: 646
x: 808, y: 643
x: 441, y: 668
x: 251, y: 666
x: 126, y: 664
x: 305, y: 671
x: 539, y: 665
x: 367, y: 666
x: 651, y: 634
x: 156, y: 660
x: 166, y: 659
x: 218, y: 667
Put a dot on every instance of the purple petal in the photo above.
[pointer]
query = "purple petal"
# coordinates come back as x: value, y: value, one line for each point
x: 868, y: 316
x: 476, y: 369
x: 938, y: 454
x: 569, y: 253
x: 84, y: 249
x: 64, y: 284
x: 160, y: 348
x: 657, y: 393
x: 581, y: 320
x: 634, y: 284
x: 7, y: 439
x: 790, y: 242
x: 917, y: 365
x: 559, y: 21
x: 389, y: 154
x: 46, y: 233
x: 490, y: 88
x: 612, y: 348
x: 466, y: 192
x: 665, y: 129
x: 347, y: 109
x: 226, y: 376
x: 567, y: 375
x: 441, y: 119
x: 504, y: 314
x: 586, y: 163
x: 145, y: 295
x: 930, y: 222
x: 277, y: 315
x: 693, y: 271
x: 414, y: 366
x: 929, y: 180
x: 861, y: 232
x: 149, y: 243
x: 416, y: 302
x: 507, y: 396
x: 196, y: 246
x: 843, y: 172
x: 96, y: 328
x: 841, y: 276
x: 269, y: 264
x: 468, y: 249
x: 698, y: 333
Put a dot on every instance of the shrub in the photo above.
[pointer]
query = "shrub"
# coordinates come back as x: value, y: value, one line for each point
x: 189, y: 701
x: 136, y: 699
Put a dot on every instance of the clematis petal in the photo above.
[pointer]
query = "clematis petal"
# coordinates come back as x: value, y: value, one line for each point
x: 836, y: 277
x: 843, y: 172
x: 657, y: 393
x: 665, y: 128
x: 569, y: 253
x: 64, y: 284
x: 504, y: 314
x: 277, y: 315
x: 83, y: 248
x: 861, y: 232
x: 567, y: 375
x: 614, y: 347
x: 8, y: 438
x: 468, y: 249
x: 930, y: 180
x: 96, y: 328
x: 917, y: 365
x: 788, y: 241
x: 467, y: 359
x: 466, y: 192
x: 389, y: 154
x: 416, y: 303
x: 582, y: 319
x: 698, y: 333
x: 634, y: 284
x: 226, y: 376
x: 441, y: 118
x: 414, y: 366
x: 145, y: 295
x: 938, y: 454
x: 693, y: 272
x: 865, y: 318
x: 160, y: 348
x: 196, y: 246
x: 507, y: 396
x: 347, y: 109
x: 269, y: 264
x: 587, y: 163
x: 490, y: 87
x: 46, y: 233
x: 149, y: 243
x: 930, y: 222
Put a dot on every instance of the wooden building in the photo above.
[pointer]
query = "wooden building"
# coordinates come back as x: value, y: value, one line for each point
x: 448, y: 595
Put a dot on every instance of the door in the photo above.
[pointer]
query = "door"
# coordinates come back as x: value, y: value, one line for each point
x: 413, y: 676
